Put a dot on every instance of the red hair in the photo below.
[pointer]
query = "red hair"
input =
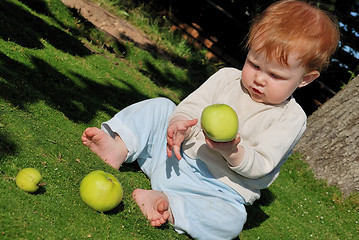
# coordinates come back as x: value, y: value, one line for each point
x: 297, y: 27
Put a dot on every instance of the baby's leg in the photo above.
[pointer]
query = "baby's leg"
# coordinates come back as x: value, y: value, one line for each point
x: 154, y: 205
x: 112, y: 150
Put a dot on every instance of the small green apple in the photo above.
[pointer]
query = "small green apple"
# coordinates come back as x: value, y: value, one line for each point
x: 28, y: 179
x: 101, y: 191
x: 220, y: 122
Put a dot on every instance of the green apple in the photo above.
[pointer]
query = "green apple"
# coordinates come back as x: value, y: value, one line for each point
x: 219, y: 122
x: 101, y: 191
x: 28, y: 179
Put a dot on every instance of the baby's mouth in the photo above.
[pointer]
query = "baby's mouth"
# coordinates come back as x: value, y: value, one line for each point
x: 256, y: 91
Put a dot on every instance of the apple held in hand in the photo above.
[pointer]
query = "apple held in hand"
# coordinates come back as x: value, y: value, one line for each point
x: 220, y: 122
x: 28, y: 179
x: 101, y: 191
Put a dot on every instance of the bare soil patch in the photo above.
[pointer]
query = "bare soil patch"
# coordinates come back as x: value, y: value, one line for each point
x: 109, y: 23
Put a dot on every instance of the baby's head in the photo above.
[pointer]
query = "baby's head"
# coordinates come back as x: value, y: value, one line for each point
x: 295, y: 27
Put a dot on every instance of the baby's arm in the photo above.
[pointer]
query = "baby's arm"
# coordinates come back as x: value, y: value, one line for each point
x: 178, y: 129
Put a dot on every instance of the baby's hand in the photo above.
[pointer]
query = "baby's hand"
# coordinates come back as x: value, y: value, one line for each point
x: 223, y: 147
x: 176, y: 133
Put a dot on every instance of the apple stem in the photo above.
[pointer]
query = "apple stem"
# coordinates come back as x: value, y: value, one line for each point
x: 41, y: 184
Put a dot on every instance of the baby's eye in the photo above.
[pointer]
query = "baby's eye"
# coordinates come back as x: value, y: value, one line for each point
x: 255, y: 66
x: 276, y: 76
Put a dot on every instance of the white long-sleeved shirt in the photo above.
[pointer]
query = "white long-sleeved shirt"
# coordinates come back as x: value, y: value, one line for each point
x: 268, y: 133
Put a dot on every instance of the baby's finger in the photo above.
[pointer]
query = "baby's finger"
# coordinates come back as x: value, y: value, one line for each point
x: 176, y: 150
x: 169, y: 150
x: 237, y: 140
x: 170, y: 133
x: 169, y: 141
x: 209, y: 142
x: 191, y: 123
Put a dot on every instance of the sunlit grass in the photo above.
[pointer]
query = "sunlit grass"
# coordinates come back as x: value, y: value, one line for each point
x: 60, y: 77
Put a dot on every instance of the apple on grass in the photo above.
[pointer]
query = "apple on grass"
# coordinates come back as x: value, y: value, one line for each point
x: 219, y: 122
x: 28, y: 179
x: 101, y: 191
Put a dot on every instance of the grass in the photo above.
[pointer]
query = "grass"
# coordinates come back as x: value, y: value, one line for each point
x: 298, y: 206
x: 59, y: 75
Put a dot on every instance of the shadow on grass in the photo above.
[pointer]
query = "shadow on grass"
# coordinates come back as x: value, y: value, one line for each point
x: 41, y: 190
x: 43, y: 82
x: 120, y: 207
x: 7, y: 147
x: 255, y: 215
x: 22, y: 85
x: 38, y: 6
x: 130, y: 167
x: 20, y: 26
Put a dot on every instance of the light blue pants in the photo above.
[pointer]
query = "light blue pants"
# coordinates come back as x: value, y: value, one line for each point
x: 202, y: 206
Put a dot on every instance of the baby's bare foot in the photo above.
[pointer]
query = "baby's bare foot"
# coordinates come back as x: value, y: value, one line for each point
x: 112, y: 150
x: 154, y: 205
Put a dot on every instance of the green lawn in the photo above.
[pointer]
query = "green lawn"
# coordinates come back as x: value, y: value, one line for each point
x: 57, y: 77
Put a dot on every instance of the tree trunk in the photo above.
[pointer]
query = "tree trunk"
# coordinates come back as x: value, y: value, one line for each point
x: 331, y: 141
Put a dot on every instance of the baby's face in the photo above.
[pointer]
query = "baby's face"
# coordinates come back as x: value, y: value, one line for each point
x: 269, y: 82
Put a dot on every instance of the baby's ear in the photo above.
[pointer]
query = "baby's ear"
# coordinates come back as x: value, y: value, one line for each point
x: 309, y: 77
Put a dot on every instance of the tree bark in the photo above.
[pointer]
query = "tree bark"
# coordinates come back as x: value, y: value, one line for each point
x: 331, y: 142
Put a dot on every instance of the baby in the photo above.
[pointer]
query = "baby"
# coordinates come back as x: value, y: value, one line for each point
x: 200, y: 186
